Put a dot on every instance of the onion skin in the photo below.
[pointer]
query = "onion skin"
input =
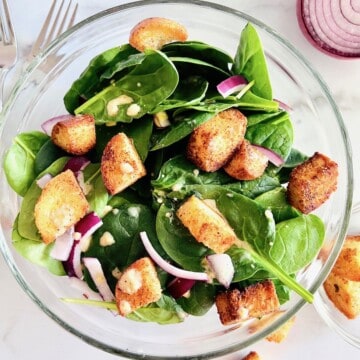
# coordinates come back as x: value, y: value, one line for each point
x: 48, y: 125
x: 273, y: 157
x: 323, y: 27
x: 231, y: 85
x: 179, y: 286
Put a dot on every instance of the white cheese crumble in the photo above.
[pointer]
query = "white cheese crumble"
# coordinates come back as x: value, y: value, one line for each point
x: 126, y: 168
x: 106, y: 239
x: 176, y: 187
x: 133, y: 110
x: 116, y: 273
x: 130, y: 282
x: 125, y: 307
x: 112, y: 106
x: 134, y: 211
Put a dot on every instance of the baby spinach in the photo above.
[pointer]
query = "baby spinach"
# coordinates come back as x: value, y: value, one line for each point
x: 47, y: 154
x: 19, y: 161
x: 147, y: 84
x: 301, y: 235
x: 250, y: 62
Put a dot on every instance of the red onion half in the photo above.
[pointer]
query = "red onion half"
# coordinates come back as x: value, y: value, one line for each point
x: 63, y: 245
x: 332, y: 26
x: 72, y: 265
x: 76, y: 164
x: 179, y: 286
x: 48, y: 125
x: 273, y: 157
x: 88, y: 224
x: 231, y: 85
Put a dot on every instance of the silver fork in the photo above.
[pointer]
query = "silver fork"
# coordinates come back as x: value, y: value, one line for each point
x: 8, y: 46
x: 54, y: 25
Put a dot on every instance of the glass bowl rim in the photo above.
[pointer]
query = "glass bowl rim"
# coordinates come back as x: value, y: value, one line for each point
x: 342, y: 233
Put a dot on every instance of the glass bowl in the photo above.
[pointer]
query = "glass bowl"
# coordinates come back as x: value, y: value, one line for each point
x: 317, y: 126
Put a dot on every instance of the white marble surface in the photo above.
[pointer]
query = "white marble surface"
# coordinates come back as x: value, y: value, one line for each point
x: 26, y: 333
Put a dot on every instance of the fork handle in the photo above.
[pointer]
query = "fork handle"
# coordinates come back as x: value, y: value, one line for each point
x: 3, y: 73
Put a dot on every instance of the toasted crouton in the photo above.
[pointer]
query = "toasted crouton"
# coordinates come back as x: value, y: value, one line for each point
x: 121, y: 165
x: 206, y: 224
x: 60, y: 205
x: 254, y: 301
x: 247, y: 163
x: 348, y: 263
x: 75, y: 135
x: 252, y: 355
x: 153, y: 33
x: 311, y: 183
x: 213, y: 143
x: 344, y: 293
x: 282, y: 332
x: 138, y: 286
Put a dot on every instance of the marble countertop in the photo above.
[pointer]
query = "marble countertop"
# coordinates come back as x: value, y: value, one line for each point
x: 26, y: 333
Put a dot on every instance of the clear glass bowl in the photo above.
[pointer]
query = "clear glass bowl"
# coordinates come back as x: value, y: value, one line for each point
x: 317, y: 124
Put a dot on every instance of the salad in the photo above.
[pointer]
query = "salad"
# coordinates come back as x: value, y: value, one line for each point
x: 172, y: 183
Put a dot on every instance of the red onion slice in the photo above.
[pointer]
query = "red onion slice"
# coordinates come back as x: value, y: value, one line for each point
x: 171, y: 269
x: 96, y: 272
x: 331, y: 26
x: 283, y: 106
x: 88, y: 224
x: 41, y: 182
x: 273, y: 157
x: 48, y: 125
x: 222, y: 267
x: 231, y: 85
x: 76, y: 164
x: 72, y: 265
x: 62, y: 246
x: 179, y: 286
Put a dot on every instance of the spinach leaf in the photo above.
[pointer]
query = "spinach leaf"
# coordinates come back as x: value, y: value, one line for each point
x: 179, y: 130
x: 164, y: 311
x: 147, y: 84
x: 101, y: 67
x: 36, y: 251
x: 276, y: 134
x: 19, y: 161
x: 275, y: 200
x: 47, y: 154
x: 200, y: 301
x: 26, y: 224
x: 297, y: 242
x: 250, y: 62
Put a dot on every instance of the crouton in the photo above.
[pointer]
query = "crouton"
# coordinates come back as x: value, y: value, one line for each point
x: 252, y: 355
x: 282, y: 332
x: 254, y: 301
x: 206, y: 225
x: 153, y: 33
x: 60, y: 205
x: 138, y: 286
x: 348, y: 263
x: 75, y: 135
x: 247, y: 163
x: 212, y: 144
x: 121, y: 165
x: 312, y: 182
x: 344, y: 293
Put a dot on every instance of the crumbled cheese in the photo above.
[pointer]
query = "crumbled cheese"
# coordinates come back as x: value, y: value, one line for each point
x: 134, y: 211
x: 116, y: 273
x: 160, y: 200
x: 106, y: 239
x: 161, y: 119
x: 176, y: 187
x: 112, y: 106
x: 85, y: 243
x: 133, y: 110
x: 196, y: 172
x: 115, y: 211
x: 130, y: 282
x: 125, y: 307
x: 76, y: 235
x: 110, y: 123
x: 230, y: 195
x: 106, y: 210
x: 126, y: 168
x: 138, y: 84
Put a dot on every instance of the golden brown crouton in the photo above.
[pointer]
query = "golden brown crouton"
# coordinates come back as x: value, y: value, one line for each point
x: 344, y: 293
x: 75, y: 135
x: 348, y: 263
x: 282, y: 332
x: 311, y: 183
x: 60, y: 205
x: 121, y: 165
x: 153, y: 33
x: 247, y: 163
x: 206, y: 225
x: 138, y: 286
x: 254, y: 301
x: 213, y: 143
x: 252, y: 355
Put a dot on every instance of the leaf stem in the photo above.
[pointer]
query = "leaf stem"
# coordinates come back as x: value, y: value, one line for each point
x: 99, y: 303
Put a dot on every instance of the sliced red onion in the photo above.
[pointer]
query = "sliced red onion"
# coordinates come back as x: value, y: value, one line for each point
x: 179, y: 286
x: 88, y: 224
x: 76, y: 164
x: 231, y: 85
x: 273, y: 157
x: 171, y: 269
x: 84, y: 288
x: 72, y: 265
x: 48, y: 125
x: 331, y: 26
x: 41, y: 182
x: 284, y: 106
x: 63, y: 244
x: 222, y: 267
x: 94, y: 267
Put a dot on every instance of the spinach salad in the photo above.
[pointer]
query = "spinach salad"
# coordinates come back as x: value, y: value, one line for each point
x: 178, y: 82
